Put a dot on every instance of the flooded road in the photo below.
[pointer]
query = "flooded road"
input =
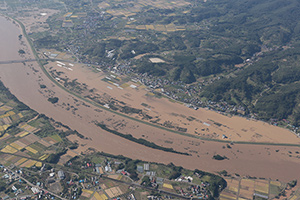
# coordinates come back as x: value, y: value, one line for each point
x: 24, y: 80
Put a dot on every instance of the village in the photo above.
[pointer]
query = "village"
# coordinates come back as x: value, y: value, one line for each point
x: 38, y: 161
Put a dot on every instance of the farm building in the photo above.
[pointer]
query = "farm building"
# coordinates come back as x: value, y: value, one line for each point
x: 61, y: 174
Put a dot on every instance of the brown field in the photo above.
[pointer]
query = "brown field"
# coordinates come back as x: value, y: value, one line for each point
x: 21, y: 161
x: 156, y: 60
x: 232, y: 185
x: 13, y: 159
x: 7, y: 120
x: 227, y: 195
x: 28, y: 163
x: 28, y: 128
x: 242, y: 188
x: 103, y: 186
x: 29, y: 139
x: 9, y: 149
x: 137, y: 6
x: 245, y: 159
x: 35, y: 22
x: 43, y: 142
x: 20, y: 144
x: 115, y: 176
x: 113, y: 192
x: 50, y: 140
x: 99, y: 196
x: 3, y: 157
x: 5, y: 108
x: 22, y: 134
x: 9, y: 157
x: 87, y: 193
x: 17, y: 146
x: 5, y: 136
x: 52, y: 53
x: 202, y: 122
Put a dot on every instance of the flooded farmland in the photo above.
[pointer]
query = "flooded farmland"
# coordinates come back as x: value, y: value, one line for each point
x: 24, y: 80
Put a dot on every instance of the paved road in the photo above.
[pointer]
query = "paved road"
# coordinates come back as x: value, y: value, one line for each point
x: 30, y: 60
x: 67, y: 169
x: 32, y: 185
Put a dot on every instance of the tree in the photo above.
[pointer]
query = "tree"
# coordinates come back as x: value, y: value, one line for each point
x: 146, y: 181
x: 53, y: 99
x: 21, y: 51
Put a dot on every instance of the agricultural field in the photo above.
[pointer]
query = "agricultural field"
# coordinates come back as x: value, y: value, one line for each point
x: 139, y: 6
x: 25, y: 143
x: 137, y: 87
x: 243, y: 188
x: 26, y: 138
x: 157, y: 27
x: 295, y: 195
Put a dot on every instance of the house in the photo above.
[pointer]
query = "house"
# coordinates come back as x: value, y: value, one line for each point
x: 146, y: 166
x: 224, y: 136
x: 151, y: 173
x: 61, y: 174
x: 140, y: 169
x: 159, y: 180
x: 108, y: 168
x: 35, y: 190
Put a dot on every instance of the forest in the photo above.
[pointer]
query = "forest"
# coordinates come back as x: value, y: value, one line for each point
x: 246, y: 52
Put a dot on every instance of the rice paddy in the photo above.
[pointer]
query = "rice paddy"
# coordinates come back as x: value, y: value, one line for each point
x: 43, y: 157
x: 97, y: 196
x: 21, y: 161
x: 169, y: 186
x: 87, y: 193
x: 24, y: 143
x: 113, y: 192
x: 32, y: 150
x: 9, y: 149
x: 243, y: 188
x: 16, y: 146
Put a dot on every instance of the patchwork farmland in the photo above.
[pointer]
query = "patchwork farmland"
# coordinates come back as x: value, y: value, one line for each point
x: 243, y: 188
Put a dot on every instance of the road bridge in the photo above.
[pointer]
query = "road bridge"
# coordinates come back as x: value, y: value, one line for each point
x: 3, y: 62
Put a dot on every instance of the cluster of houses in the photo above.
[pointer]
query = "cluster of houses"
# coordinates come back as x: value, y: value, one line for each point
x: 15, y: 180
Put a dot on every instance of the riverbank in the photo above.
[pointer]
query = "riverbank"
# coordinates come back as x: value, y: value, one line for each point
x: 25, y: 81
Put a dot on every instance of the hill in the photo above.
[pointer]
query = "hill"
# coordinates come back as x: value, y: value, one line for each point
x: 224, y: 54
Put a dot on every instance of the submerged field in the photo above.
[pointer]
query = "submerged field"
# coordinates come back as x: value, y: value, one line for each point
x: 28, y: 83
x: 109, y: 87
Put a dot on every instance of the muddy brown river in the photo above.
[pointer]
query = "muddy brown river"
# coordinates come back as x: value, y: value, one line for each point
x: 24, y: 80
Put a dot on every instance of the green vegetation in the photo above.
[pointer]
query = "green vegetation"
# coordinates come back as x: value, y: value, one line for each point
x: 214, y: 184
x: 176, y: 171
x: 146, y: 181
x: 292, y: 183
x: 217, y: 183
x: 268, y: 88
x: 54, y: 157
x: 42, y: 86
x: 213, y: 39
x: 218, y: 157
x: 2, y: 185
x: 53, y: 99
x: 140, y: 140
x: 21, y: 51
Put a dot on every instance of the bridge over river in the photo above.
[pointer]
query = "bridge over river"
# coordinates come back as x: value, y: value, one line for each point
x: 3, y: 62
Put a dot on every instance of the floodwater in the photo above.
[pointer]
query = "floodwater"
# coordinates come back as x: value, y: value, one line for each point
x: 24, y: 82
